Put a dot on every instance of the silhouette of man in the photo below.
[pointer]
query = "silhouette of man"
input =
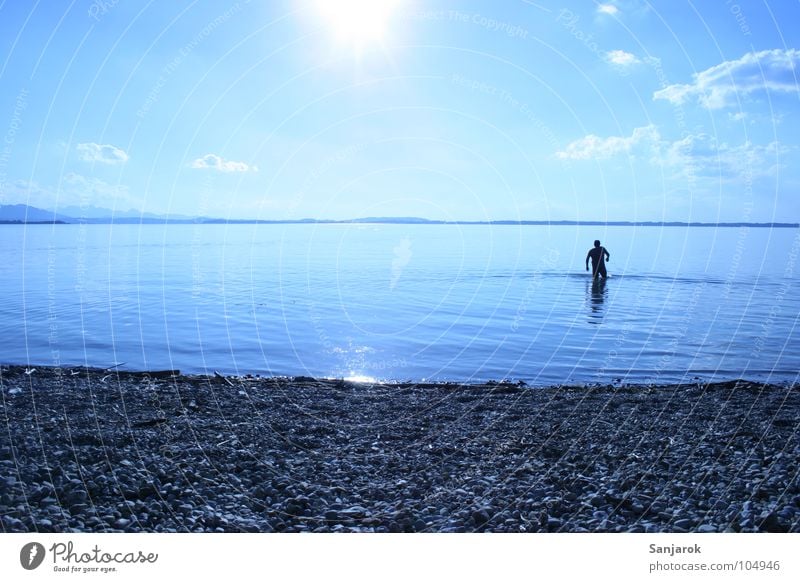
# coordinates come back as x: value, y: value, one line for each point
x: 599, y: 256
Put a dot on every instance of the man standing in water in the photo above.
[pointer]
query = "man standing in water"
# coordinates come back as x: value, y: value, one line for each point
x: 599, y: 256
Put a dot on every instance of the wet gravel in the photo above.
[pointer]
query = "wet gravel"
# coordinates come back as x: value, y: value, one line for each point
x: 92, y: 450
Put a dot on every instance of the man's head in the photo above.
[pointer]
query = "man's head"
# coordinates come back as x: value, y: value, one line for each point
x: 596, y: 243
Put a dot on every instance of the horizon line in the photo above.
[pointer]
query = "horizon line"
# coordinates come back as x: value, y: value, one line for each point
x: 67, y: 220
x: 43, y: 216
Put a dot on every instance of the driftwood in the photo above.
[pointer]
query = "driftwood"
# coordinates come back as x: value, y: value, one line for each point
x: 218, y: 375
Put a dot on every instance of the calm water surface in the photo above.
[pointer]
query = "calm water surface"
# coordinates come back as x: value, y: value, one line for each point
x: 404, y: 302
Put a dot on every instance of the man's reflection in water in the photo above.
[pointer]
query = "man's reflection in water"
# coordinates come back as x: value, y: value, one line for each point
x: 596, y: 295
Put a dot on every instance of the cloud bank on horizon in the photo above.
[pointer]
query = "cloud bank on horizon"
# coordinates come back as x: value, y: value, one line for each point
x: 621, y: 110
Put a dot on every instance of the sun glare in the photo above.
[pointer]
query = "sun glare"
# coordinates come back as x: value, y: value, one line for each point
x: 358, y: 22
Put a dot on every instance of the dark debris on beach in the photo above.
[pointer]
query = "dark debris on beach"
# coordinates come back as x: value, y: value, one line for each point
x: 85, y: 450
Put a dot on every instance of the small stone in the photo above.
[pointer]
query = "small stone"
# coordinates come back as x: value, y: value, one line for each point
x: 332, y: 515
x: 481, y: 516
x: 12, y: 523
x: 706, y: 528
x: 76, y: 497
x: 354, y: 512
x: 772, y: 524
x: 554, y: 523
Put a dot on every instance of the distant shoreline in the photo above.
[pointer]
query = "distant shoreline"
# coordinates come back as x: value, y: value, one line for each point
x: 212, y: 221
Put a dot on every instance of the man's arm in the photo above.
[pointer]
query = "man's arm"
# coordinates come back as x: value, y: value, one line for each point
x: 587, y: 259
x: 608, y: 256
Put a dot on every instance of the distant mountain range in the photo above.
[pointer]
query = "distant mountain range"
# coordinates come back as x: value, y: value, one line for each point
x: 24, y: 214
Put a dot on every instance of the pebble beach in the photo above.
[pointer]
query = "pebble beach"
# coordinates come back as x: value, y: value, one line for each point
x: 90, y: 450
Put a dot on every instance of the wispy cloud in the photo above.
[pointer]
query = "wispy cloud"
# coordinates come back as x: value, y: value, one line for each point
x: 92, y: 191
x: 608, y: 9
x: 717, y: 87
x: 701, y: 155
x: 697, y: 155
x: 621, y: 58
x: 595, y: 147
x: 72, y: 190
x: 102, y: 153
x: 215, y: 162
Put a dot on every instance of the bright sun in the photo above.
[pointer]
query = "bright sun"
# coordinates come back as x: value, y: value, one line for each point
x: 358, y: 22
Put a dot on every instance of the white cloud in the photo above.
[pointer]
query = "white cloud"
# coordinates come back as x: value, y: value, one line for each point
x: 771, y: 70
x: 701, y: 155
x: 621, y: 58
x: 594, y: 147
x: 694, y: 156
x: 105, y: 153
x: 214, y: 162
x: 93, y: 191
x: 607, y: 9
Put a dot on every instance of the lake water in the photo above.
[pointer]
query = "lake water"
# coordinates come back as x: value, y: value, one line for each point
x: 405, y: 302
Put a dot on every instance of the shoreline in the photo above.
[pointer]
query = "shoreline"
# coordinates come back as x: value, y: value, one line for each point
x: 611, y: 380
x: 112, y: 450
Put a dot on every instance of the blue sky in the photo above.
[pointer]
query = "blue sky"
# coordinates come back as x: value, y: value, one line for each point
x: 622, y: 110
